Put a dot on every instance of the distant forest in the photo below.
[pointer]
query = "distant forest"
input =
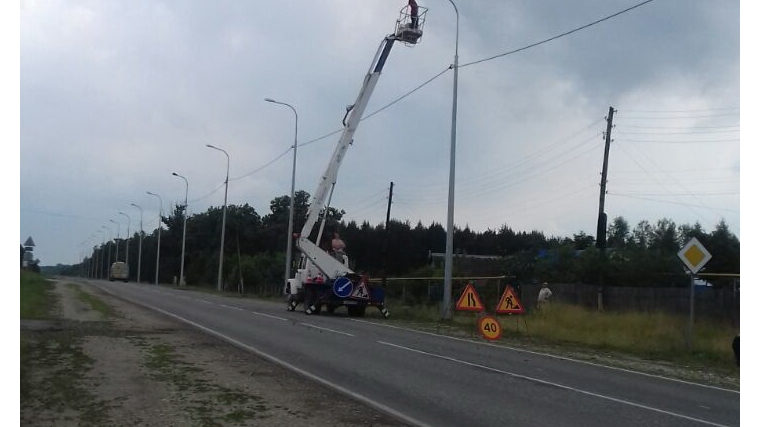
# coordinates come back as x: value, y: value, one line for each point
x: 255, y: 246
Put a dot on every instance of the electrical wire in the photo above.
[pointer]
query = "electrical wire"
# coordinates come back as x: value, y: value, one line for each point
x: 673, y: 203
x: 557, y: 36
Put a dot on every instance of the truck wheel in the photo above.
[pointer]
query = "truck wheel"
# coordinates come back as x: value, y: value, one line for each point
x: 292, y: 303
x: 356, y: 311
x: 311, y: 306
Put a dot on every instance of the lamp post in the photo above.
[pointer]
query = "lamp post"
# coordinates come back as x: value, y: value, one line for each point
x: 126, y: 249
x: 158, y: 245
x: 108, y: 260
x: 99, y: 264
x: 289, y: 253
x: 118, y: 235
x: 139, y: 251
x: 446, y: 309
x: 224, y: 218
x: 184, y: 231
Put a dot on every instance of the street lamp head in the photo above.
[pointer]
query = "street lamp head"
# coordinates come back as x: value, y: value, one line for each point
x: 269, y: 100
x: 174, y: 173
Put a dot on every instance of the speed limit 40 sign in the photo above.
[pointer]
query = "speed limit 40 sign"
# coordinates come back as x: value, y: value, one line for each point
x: 489, y: 327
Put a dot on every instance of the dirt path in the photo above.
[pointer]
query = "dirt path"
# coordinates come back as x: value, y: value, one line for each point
x: 117, y: 364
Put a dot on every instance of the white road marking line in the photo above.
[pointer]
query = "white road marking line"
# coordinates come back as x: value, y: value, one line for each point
x: 577, y: 390
x: 269, y: 315
x: 229, y: 306
x: 326, y: 329
x: 553, y: 356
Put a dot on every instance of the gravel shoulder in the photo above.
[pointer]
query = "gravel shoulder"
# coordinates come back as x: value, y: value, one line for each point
x: 124, y: 365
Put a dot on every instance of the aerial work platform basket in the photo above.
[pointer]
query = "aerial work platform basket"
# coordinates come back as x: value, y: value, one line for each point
x: 409, y: 25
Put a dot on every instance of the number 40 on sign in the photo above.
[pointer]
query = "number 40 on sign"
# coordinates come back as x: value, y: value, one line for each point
x: 489, y: 327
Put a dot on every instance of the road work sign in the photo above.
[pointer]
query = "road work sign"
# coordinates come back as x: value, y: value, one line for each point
x: 470, y: 301
x: 694, y: 255
x: 360, y: 292
x: 489, y: 327
x: 509, y: 303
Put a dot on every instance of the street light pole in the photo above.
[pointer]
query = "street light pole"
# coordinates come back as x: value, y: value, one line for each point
x: 118, y: 235
x: 99, y: 264
x: 139, y: 251
x: 224, y: 218
x: 446, y: 309
x: 126, y: 249
x: 184, y: 231
x: 289, y: 253
x: 158, y: 245
x: 108, y: 260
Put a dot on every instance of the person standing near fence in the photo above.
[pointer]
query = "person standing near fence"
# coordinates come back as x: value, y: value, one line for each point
x: 544, y: 294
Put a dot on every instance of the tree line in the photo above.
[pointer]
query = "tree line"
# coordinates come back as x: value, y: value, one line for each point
x: 255, y: 246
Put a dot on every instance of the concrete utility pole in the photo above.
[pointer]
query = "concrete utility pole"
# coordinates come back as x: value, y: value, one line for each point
x: 601, y: 224
x: 387, y: 234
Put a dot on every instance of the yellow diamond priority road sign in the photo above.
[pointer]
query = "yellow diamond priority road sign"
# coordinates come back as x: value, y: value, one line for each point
x: 694, y: 255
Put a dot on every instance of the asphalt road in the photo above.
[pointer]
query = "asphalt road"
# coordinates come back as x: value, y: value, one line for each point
x: 433, y: 380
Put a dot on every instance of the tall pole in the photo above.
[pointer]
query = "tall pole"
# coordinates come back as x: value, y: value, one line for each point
x: 139, y: 251
x: 184, y: 231
x: 601, y: 221
x: 224, y: 218
x: 446, y: 309
x: 99, y: 264
x: 118, y: 235
x: 387, y: 234
x: 126, y: 250
x: 158, y: 245
x: 108, y: 260
x: 289, y: 252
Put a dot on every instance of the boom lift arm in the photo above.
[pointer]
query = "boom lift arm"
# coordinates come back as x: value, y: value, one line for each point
x: 408, y: 30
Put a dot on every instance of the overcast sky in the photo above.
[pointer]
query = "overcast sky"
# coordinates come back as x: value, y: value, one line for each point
x: 117, y: 95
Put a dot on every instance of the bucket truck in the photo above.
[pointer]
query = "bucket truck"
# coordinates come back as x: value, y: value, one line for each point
x: 324, y: 279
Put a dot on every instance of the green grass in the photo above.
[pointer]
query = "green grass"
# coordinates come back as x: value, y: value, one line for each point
x: 207, y: 401
x: 92, y: 301
x: 36, y: 297
x: 656, y: 335
x: 652, y: 335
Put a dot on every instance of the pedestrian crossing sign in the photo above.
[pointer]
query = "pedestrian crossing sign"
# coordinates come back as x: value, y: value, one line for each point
x: 509, y: 303
x: 470, y: 301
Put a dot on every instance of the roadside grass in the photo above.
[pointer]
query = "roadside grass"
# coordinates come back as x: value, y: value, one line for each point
x: 95, y: 303
x: 36, y: 297
x: 52, y: 363
x: 653, y: 335
x: 209, y: 402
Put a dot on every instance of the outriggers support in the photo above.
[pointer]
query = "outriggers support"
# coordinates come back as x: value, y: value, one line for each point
x: 317, y: 267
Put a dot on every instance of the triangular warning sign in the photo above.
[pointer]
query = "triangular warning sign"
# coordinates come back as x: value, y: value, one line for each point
x: 509, y: 303
x: 470, y: 301
x: 360, y: 291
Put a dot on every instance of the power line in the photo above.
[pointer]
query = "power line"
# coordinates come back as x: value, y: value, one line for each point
x: 617, y: 126
x: 674, y: 203
x: 682, y: 111
x: 660, y: 141
x: 443, y: 72
x: 557, y: 36
x: 674, y: 117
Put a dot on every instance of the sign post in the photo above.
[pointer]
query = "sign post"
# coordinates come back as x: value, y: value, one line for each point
x: 694, y: 256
